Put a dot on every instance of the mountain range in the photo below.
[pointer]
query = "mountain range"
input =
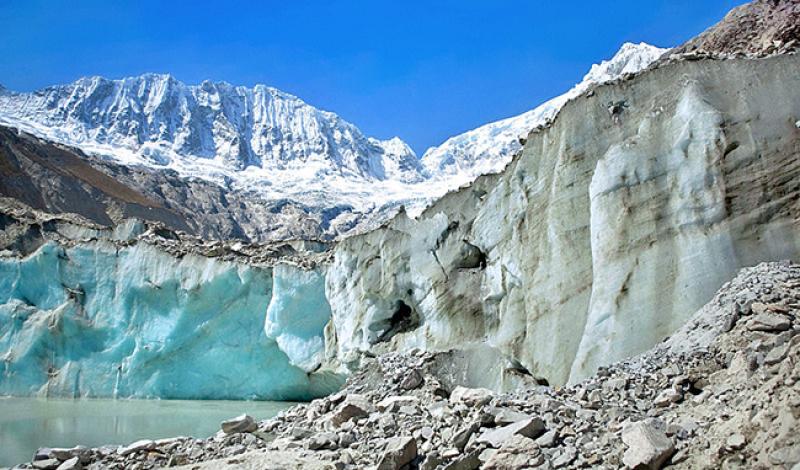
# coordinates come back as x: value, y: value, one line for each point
x: 274, y: 146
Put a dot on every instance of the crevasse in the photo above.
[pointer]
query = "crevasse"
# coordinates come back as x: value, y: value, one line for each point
x: 102, y: 320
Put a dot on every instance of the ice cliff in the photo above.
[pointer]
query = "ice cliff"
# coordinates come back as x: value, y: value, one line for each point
x: 617, y: 222
x: 101, y: 317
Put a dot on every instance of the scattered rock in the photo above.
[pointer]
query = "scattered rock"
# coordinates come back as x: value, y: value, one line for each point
x: 471, y: 396
x: 531, y: 428
x: 144, y: 444
x: 705, y: 406
x: 648, y: 446
x: 399, y: 451
x: 241, y: 423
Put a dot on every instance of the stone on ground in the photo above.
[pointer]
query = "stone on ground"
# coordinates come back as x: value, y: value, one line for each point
x: 242, y: 423
x: 399, y: 451
x: 648, y: 446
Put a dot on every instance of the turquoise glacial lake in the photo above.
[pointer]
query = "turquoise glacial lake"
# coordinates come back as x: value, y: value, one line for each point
x: 29, y: 423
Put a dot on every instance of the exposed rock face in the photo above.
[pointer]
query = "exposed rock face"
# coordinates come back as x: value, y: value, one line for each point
x: 60, y: 179
x: 756, y: 28
x: 597, y: 242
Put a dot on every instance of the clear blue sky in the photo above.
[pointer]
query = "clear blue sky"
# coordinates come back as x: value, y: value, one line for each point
x: 421, y: 70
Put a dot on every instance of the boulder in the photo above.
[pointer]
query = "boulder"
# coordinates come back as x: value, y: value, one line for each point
x: 470, y: 461
x: 144, y: 444
x: 43, y: 453
x: 399, y: 451
x: 71, y: 464
x: 63, y: 454
x: 531, y: 428
x: 412, y: 380
x: 471, y: 396
x: 769, y: 322
x: 514, y: 454
x: 547, y: 439
x: 461, y: 437
x: 648, y: 446
x: 323, y: 440
x: 394, y: 403
x: 241, y: 423
x: 354, y: 406
x: 46, y: 464
x: 503, y: 416
x: 667, y: 397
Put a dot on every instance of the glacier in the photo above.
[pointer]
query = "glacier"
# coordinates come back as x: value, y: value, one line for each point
x: 297, y: 315
x: 600, y: 238
x: 120, y: 319
x: 103, y: 319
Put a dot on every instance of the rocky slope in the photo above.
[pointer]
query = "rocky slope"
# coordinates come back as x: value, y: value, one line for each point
x: 627, y: 213
x: 755, y: 29
x: 720, y: 393
x: 60, y: 179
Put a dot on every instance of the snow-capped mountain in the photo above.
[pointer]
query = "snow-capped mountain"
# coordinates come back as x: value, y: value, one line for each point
x: 489, y: 148
x: 208, y: 130
x: 271, y: 143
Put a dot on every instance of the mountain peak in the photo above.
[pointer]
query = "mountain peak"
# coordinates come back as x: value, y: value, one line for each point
x: 629, y: 58
x: 490, y: 147
x: 212, y: 130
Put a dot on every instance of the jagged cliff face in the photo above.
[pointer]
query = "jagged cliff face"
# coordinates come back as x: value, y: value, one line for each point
x: 614, y: 225
x: 206, y: 129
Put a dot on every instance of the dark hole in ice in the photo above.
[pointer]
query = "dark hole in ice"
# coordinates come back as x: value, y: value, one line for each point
x: 542, y: 381
x: 470, y: 257
x: 403, y: 319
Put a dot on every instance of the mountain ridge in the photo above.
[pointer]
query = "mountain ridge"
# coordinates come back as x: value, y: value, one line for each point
x: 273, y: 145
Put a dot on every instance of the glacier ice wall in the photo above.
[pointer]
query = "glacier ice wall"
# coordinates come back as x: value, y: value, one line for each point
x: 297, y: 315
x: 611, y: 228
x: 103, y: 320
